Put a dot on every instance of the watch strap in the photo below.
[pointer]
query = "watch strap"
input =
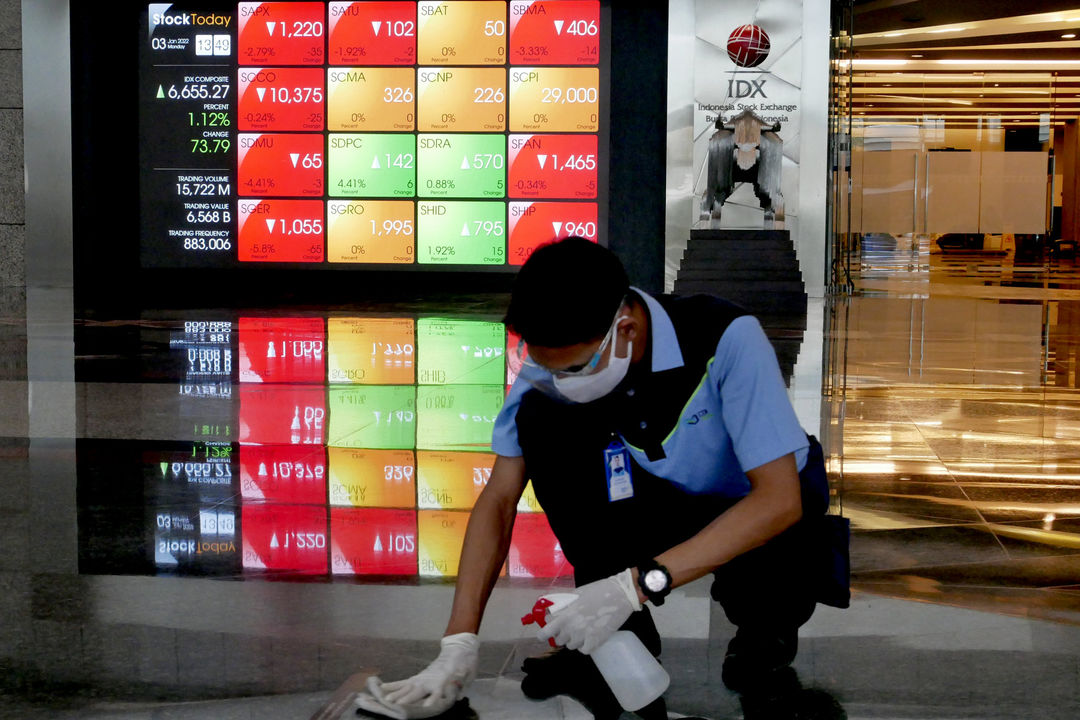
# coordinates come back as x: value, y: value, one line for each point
x: 656, y: 597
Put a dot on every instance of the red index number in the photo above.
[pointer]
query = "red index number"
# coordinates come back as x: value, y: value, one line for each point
x: 281, y: 33
x: 281, y: 99
x: 281, y: 230
x: 535, y: 223
x: 553, y: 166
x: 280, y: 165
x: 555, y: 33
x: 372, y: 33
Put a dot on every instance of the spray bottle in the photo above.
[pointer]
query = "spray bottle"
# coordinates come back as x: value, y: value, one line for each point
x: 635, y: 677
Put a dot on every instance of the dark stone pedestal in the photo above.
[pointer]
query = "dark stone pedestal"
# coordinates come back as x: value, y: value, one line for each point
x: 756, y: 269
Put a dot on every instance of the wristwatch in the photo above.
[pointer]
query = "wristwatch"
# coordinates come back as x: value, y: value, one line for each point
x: 654, y: 581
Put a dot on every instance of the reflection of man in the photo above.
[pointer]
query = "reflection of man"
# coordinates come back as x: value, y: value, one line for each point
x: 660, y: 441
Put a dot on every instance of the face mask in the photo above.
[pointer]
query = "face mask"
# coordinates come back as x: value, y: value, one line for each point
x: 586, y: 388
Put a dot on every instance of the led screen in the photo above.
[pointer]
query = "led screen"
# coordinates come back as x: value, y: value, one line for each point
x: 356, y: 134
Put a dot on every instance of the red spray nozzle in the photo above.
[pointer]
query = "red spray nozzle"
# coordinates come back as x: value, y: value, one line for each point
x: 538, y: 615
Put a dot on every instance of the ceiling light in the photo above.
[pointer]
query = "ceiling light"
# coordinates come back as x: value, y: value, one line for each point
x: 996, y: 61
x: 916, y: 56
x: 1068, y: 36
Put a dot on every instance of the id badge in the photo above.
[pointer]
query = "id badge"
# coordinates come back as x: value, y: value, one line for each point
x: 620, y: 485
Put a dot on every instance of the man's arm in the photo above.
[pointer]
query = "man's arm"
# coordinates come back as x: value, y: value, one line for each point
x: 487, y: 541
x: 773, y: 505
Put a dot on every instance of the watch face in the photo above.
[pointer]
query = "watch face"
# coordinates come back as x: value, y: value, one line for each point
x: 655, y: 580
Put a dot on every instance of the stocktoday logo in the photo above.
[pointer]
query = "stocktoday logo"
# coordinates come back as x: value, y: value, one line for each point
x: 748, y: 46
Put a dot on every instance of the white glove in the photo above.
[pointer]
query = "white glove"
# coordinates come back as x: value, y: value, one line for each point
x: 433, y: 690
x: 600, y: 609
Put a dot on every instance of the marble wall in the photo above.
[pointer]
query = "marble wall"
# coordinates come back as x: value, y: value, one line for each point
x: 12, y: 192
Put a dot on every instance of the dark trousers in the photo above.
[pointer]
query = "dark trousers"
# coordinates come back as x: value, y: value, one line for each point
x: 773, y: 588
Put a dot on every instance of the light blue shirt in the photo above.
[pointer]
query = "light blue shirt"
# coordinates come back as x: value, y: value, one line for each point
x: 738, y: 418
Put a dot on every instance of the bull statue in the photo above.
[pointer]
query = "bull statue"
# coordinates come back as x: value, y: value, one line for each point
x: 744, y: 149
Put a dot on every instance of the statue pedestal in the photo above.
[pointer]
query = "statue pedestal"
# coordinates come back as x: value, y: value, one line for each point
x: 756, y: 269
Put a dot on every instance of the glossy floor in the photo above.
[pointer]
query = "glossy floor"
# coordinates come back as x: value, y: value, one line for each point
x: 137, y: 582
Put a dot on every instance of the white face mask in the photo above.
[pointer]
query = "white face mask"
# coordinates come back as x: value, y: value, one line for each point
x: 586, y: 388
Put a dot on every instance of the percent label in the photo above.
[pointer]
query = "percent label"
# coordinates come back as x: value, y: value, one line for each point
x: 555, y: 33
x: 553, y: 166
x: 281, y: 33
x: 280, y: 165
x: 372, y: 33
x: 461, y: 33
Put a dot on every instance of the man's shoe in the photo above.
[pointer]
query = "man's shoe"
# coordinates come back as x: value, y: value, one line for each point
x: 753, y: 659
x: 568, y: 672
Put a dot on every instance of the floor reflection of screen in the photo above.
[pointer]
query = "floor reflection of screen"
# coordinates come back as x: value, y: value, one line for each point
x: 534, y: 550
x: 283, y: 474
x: 284, y: 537
x: 372, y: 478
x: 373, y: 541
x: 363, y: 445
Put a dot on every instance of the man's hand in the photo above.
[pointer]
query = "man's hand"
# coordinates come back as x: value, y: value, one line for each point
x: 600, y: 609
x: 433, y: 690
